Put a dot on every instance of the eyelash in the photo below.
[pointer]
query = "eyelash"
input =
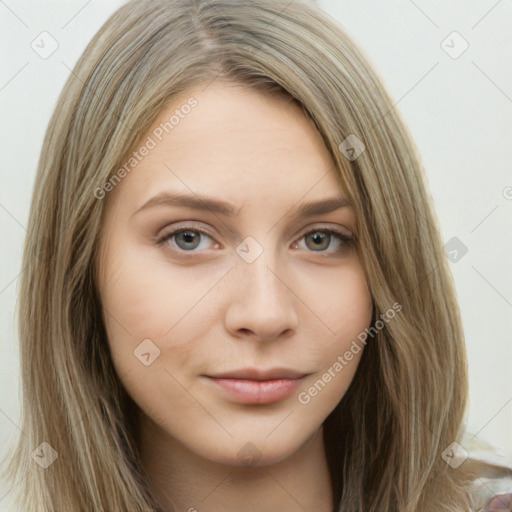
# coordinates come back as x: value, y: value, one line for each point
x: 345, y: 240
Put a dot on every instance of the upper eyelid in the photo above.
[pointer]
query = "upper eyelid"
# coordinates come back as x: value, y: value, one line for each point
x: 199, y: 226
x: 233, y: 234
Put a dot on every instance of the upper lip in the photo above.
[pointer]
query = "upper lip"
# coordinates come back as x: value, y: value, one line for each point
x: 259, y: 374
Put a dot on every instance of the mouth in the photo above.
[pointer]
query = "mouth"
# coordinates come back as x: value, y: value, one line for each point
x: 255, y: 386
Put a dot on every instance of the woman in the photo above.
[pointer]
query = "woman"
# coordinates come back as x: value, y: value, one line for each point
x: 310, y: 356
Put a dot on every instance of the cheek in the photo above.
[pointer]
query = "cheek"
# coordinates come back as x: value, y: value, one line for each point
x: 155, y: 313
x: 147, y: 311
x: 343, y: 306
x: 347, y: 311
x: 144, y: 298
x: 354, y: 311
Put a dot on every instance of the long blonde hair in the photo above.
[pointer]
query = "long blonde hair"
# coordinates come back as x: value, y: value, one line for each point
x: 405, y: 406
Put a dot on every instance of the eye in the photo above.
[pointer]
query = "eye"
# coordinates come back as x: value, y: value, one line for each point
x: 319, y: 240
x: 186, y: 238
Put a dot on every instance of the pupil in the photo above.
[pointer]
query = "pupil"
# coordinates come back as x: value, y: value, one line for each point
x: 187, y: 237
x: 318, y: 238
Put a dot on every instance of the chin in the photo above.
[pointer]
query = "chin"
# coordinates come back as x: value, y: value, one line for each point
x: 256, y: 452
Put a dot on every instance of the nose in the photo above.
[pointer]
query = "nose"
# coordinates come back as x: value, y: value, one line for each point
x: 261, y: 304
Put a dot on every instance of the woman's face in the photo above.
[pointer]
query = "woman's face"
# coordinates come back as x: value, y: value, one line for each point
x: 229, y: 336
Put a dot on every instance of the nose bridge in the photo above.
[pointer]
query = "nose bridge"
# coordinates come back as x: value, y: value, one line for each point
x: 267, y: 273
x: 261, y: 302
x: 259, y: 273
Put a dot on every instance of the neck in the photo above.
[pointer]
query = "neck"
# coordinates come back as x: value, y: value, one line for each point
x: 181, y: 480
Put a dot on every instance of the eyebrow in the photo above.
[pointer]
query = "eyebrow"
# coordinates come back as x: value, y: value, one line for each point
x: 205, y: 203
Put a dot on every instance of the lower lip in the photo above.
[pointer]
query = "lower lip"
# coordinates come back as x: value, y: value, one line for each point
x: 257, y: 391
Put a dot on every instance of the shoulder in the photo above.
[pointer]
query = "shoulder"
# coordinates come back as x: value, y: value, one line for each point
x: 491, y: 482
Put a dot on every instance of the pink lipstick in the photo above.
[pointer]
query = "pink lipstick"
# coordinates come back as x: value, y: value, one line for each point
x: 253, y: 386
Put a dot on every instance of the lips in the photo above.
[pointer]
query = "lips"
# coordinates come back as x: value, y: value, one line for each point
x: 259, y: 374
x: 256, y: 386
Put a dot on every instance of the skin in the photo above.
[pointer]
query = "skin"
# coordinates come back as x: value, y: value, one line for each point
x: 297, y: 305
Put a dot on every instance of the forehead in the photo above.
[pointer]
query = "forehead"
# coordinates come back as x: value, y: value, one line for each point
x: 234, y: 142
